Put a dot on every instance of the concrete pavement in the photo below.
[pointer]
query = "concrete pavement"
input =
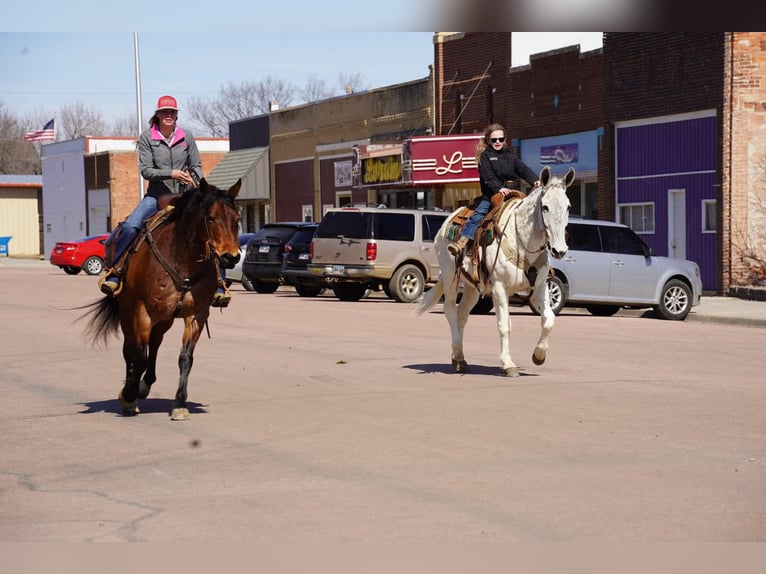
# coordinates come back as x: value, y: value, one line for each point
x: 731, y: 310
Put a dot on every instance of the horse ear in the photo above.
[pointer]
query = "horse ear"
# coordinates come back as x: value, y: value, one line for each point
x: 545, y: 176
x: 570, y: 177
x: 234, y: 189
x: 203, y: 185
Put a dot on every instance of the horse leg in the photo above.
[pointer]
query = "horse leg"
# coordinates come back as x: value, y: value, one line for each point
x: 150, y: 376
x: 500, y: 301
x: 192, y: 330
x: 451, y: 314
x: 540, y: 300
x: 134, y: 355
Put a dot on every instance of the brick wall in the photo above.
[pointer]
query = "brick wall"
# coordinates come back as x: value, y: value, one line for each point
x: 743, y: 209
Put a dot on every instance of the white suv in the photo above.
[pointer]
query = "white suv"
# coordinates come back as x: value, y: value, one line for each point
x: 359, y: 248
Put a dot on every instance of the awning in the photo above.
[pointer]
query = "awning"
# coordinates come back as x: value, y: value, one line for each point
x: 235, y: 165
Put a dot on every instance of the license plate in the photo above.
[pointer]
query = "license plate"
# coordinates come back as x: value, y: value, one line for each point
x: 263, y: 249
x: 303, y: 257
x: 338, y: 269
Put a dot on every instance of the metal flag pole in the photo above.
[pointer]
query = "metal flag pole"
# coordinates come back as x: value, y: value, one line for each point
x: 138, y: 108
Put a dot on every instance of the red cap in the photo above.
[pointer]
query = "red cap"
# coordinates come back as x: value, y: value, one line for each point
x: 167, y: 103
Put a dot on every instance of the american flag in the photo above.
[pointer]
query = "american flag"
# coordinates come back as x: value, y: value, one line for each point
x: 47, y: 133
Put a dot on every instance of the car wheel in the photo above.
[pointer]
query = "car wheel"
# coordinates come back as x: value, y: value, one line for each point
x: 69, y: 270
x: 602, y: 310
x: 406, y: 284
x: 308, y: 290
x: 247, y: 284
x: 483, y: 306
x: 93, y: 265
x: 557, y: 295
x: 675, y: 301
x: 349, y: 291
x: 265, y: 286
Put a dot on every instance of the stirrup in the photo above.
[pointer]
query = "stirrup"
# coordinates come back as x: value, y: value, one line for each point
x: 456, y: 248
x: 221, y: 298
x: 110, y: 285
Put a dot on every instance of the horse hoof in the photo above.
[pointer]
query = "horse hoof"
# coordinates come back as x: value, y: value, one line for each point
x: 128, y: 407
x: 179, y: 414
x: 538, y: 357
x: 460, y: 366
x: 511, y: 371
x: 143, y: 389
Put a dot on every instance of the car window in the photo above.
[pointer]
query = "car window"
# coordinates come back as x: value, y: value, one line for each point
x: 583, y: 237
x: 346, y: 223
x: 394, y: 226
x: 622, y: 240
x: 303, y: 235
x: 275, y: 232
x: 431, y: 226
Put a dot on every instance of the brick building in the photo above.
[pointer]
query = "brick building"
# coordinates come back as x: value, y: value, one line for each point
x: 667, y: 132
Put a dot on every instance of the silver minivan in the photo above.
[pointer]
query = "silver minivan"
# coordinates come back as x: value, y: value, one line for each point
x: 608, y: 266
x: 356, y: 249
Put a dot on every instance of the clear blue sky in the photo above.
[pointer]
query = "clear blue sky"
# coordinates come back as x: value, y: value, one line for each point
x: 43, y: 71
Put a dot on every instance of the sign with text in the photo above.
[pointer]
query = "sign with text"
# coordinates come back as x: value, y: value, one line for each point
x: 377, y: 164
x: 443, y: 159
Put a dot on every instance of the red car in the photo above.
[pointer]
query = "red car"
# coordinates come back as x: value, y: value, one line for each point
x: 86, y: 253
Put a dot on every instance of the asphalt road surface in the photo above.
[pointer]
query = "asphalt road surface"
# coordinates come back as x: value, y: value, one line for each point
x: 320, y: 420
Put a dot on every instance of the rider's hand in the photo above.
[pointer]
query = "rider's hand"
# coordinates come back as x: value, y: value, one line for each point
x: 182, y: 176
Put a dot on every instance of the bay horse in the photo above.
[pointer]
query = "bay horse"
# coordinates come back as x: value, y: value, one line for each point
x: 524, y: 233
x: 172, y: 274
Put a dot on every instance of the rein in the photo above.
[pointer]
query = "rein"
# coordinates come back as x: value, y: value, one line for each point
x: 184, y: 285
x: 512, y: 254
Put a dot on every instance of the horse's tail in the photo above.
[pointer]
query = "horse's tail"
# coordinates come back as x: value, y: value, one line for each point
x: 104, y: 320
x: 430, y: 297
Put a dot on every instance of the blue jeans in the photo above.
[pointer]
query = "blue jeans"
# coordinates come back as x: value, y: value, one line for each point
x: 470, y: 227
x: 130, y: 227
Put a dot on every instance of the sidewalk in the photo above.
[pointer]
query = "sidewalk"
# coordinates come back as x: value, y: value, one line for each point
x: 731, y: 310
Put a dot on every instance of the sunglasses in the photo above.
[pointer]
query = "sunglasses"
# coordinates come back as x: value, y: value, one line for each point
x: 496, y: 140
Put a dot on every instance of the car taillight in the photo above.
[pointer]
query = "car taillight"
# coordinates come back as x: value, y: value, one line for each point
x: 372, y: 251
x: 311, y: 250
x: 288, y: 248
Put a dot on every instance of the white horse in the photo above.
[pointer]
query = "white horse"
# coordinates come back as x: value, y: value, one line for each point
x: 525, y: 233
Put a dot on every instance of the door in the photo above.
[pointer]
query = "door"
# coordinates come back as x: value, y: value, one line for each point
x: 677, y: 223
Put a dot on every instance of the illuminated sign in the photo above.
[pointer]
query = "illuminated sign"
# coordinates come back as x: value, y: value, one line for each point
x: 387, y: 169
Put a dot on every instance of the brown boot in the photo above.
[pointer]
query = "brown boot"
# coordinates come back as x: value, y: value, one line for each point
x: 456, y: 248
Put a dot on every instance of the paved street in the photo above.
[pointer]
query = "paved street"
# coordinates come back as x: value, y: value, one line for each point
x: 315, y: 419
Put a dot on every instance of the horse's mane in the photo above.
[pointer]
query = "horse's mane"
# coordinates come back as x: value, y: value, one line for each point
x: 189, y: 211
x: 193, y: 205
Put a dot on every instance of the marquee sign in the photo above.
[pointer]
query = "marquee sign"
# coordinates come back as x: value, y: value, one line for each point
x: 376, y: 165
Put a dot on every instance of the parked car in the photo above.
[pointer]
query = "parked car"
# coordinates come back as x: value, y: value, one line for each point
x: 356, y: 249
x: 84, y: 254
x: 264, y: 254
x: 608, y: 267
x: 235, y: 274
x: 296, y: 257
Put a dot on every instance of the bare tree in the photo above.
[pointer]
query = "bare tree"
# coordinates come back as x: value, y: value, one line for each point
x: 78, y: 121
x: 125, y: 126
x: 315, y: 89
x: 17, y: 157
x: 351, y: 83
x: 239, y: 101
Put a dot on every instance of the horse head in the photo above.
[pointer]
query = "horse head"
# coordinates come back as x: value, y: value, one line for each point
x: 554, y: 209
x: 221, y: 221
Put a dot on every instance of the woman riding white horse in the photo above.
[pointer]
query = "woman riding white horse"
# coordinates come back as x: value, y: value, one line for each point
x: 526, y: 232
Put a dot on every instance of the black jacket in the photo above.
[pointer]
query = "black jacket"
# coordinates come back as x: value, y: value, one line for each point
x: 502, y: 169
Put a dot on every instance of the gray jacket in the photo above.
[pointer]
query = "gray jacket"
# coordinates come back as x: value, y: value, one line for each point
x: 157, y: 159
